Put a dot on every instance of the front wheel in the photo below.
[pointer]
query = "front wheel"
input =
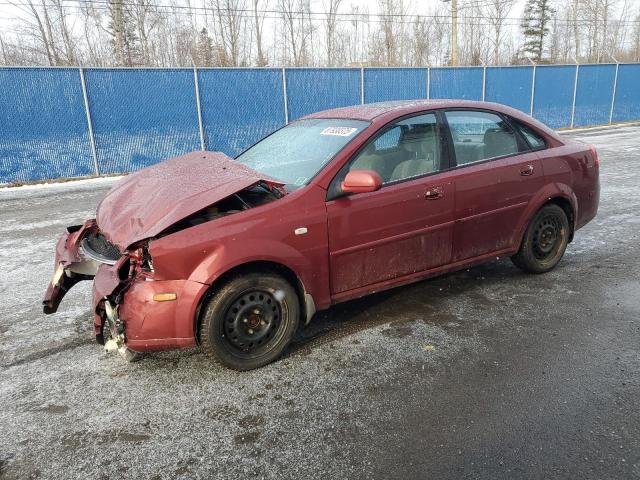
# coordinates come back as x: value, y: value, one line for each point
x: 544, y: 241
x: 250, y: 320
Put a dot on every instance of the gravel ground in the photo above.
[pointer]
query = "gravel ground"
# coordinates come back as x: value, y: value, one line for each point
x: 485, y: 373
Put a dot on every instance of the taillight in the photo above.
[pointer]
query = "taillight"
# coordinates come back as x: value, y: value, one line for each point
x: 596, y: 158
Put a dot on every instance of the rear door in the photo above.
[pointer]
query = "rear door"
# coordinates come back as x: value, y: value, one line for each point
x: 407, y: 225
x: 497, y: 174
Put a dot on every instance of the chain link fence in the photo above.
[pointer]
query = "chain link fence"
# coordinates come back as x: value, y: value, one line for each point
x: 70, y: 122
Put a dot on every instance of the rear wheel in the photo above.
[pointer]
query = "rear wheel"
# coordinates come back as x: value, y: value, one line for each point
x: 250, y: 320
x: 544, y: 242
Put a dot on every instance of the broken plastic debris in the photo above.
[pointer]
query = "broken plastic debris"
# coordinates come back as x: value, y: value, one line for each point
x: 111, y: 345
x: 429, y: 347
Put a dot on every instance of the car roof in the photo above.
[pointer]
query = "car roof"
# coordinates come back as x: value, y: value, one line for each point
x: 369, y: 111
x: 391, y: 110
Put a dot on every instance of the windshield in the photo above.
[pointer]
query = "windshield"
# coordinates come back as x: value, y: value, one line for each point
x: 295, y: 153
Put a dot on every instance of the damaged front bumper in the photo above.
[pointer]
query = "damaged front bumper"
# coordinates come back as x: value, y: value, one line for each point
x: 132, y: 309
x: 71, y: 266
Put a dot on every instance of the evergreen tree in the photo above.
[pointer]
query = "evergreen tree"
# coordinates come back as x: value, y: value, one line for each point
x: 535, y: 27
x: 205, y: 49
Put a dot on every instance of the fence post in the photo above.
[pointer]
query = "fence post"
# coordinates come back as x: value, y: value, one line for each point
x: 575, y: 91
x: 533, y: 89
x: 284, y: 95
x: 203, y: 143
x: 613, y: 98
x: 428, y: 83
x: 484, y: 81
x: 92, y: 140
x: 362, y: 85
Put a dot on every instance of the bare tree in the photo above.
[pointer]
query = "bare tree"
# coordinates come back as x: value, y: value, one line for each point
x: 389, y: 30
x: 258, y: 21
x: 635, y: 52
x: 146, y: 20
x: 331, y: 11
x: 65, y: 33
x: 496, y: 12
x: 3, y: 49
x: 297, y: 29
x: 229, y: 21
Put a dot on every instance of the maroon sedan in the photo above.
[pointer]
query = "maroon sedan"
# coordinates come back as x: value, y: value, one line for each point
x: 234, y: 255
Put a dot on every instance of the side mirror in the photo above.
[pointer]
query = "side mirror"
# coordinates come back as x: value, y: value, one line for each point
x: 361, y: 181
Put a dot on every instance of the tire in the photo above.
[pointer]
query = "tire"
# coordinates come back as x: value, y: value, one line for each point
x: 250, y: 320
x: 544, y: 242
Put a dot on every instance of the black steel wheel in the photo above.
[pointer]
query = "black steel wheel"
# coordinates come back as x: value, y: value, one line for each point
x: 545, y: 240
x: 250, y: 320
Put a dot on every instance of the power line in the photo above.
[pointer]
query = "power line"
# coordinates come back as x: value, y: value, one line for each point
x: 302, y: 14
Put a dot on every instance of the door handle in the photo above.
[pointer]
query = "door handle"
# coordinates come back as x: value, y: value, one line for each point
x: 526, y: 171
x: 434, y: 193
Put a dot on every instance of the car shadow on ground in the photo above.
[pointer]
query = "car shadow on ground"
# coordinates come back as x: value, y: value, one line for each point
x: 423, y: 300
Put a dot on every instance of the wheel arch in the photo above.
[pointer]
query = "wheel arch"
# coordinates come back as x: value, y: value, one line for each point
x: 560, y: 195
x: 306, y: 301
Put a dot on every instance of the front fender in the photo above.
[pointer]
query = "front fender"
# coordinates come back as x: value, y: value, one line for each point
x: 226, y: 257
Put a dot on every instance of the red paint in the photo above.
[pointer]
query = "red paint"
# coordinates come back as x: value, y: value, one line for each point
x: 361, y: 181
x: 146, y: 202
x: 386, y: 236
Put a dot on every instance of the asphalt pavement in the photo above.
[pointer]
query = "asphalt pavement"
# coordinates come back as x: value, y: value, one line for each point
x: 486, y: 373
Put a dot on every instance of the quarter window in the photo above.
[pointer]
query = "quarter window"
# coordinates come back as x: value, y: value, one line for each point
x: 480, y: 136
x: 535, y: 141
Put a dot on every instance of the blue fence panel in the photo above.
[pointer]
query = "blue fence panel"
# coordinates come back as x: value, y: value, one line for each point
x: 593, y: 94
x: 553, y: 99
x: 627, y: 102
x: 510, y: 86
x: 141, y: 117
x: 240, y: 106
x: 460, y: 82
x: 312, y: 89
x: 43, y: 128
x: 382, y: 84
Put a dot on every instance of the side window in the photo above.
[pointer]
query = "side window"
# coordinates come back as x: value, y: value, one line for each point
x: 535, y: 141
x: 408, y: 148
x: 480, y: 136
x: 387, y: 140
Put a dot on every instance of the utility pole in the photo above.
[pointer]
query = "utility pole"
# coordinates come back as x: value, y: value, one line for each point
x: 454, y: 33
x: 118, y: 30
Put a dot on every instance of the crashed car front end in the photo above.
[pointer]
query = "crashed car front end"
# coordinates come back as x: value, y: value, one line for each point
x: 132, y: 309
x: 135, y: 307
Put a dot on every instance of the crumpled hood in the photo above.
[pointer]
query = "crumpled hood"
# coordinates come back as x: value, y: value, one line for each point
x: 146, y: 202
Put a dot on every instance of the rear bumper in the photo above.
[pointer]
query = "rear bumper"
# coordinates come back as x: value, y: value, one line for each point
x: 589, y: 207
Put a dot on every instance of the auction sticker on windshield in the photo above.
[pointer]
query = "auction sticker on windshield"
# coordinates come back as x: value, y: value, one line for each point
x: 339, y: 131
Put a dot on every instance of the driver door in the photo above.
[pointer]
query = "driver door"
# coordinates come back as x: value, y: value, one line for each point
x: 405, y: 227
